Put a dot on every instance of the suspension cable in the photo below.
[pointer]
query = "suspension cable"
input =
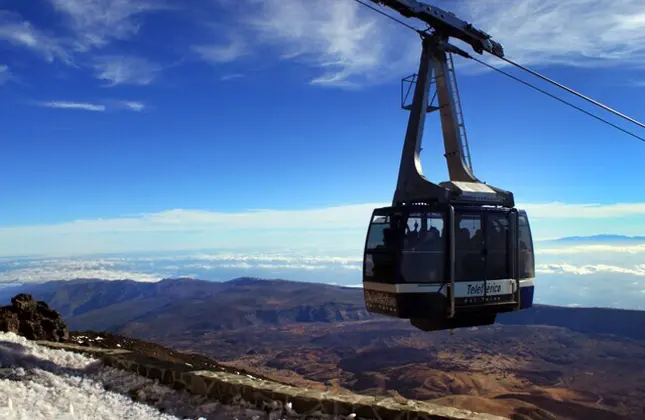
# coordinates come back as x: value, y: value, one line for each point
x: 557, y: 99
x: 606, y: 108
x: 580, y: 95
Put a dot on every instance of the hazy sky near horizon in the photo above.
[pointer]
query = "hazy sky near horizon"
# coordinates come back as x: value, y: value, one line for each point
x: 274, y: 125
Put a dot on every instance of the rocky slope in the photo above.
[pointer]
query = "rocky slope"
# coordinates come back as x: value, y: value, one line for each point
x: 32, y: 319
x: 34, y: 377
x: 571, y: 362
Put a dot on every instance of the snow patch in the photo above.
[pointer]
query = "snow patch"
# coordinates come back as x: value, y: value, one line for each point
x: 37, y: 382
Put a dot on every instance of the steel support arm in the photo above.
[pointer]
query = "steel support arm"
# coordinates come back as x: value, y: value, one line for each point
x: 446, y: 23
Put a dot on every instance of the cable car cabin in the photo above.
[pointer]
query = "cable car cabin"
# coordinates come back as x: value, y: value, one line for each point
x: 445, y: 266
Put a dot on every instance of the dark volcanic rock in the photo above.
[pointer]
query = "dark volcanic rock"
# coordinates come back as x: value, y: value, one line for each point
x: 32, y: 319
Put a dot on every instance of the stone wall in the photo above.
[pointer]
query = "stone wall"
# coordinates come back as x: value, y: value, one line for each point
x: 229, y: 388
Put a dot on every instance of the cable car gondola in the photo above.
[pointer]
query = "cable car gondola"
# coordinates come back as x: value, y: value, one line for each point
x: 447, y: 266
x: 457, y: 253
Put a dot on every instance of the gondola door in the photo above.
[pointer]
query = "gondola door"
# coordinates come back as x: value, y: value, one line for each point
x: 500, y: 235
x: 483, y: 242
x: 470, y: 258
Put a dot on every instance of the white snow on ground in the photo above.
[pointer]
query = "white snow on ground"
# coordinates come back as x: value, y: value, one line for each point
x: 37, y: 382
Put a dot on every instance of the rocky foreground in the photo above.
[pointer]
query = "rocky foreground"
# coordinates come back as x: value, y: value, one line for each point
x: 190, y: 374
x: 524, y: 372
x: 36, y: 321
x: 32, y: 319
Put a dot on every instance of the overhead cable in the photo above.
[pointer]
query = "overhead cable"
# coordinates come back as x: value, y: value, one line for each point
x: 606, y: 108
x: 557, y: 99
x: 580, y: 95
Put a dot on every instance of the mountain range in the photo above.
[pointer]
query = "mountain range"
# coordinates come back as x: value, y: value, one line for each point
x: 569, y: 362
x: 600, y: 238
x: 196, y: 305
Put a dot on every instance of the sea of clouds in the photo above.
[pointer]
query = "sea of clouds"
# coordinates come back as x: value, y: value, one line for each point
x: 601, y: 273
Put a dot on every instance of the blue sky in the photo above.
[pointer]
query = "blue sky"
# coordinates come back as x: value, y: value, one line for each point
x: 133, y: 125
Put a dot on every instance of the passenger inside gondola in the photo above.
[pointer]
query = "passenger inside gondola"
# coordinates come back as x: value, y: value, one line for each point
x: 422, y: 258
x: 436, y: 256
x: 497, y: 245
x: 412, y: 236
x: 384, y: 263
x: 390, y: 238
x: 468, y: 250
x: 433, y: 239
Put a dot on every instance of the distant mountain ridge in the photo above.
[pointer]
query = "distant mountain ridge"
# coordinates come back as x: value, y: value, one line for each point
x: 188, y: 305
x: 599, y: 238
x: 180, y: 305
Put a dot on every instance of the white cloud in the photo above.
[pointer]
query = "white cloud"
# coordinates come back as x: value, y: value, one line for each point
x: 133, y: 105
x: 245, y: 265
x: 5, y: 74
x: 38, y: 271
x: 271, y: 262
x: 97, y: 22
x: 90, y: 24
x: 285, y: 259
x: 73, y: 105
x: 558, y: 210
x: 354, y: 45
x: 333, y: 35
x: 335, y: 227
x: 157, y: 267
x: 232, y: 76
x: 636, y: 270
x: 15, y: 30
x: 347, y: 44
x: 127, y: 105
x: 572, y: 33
x: 179, y: 220
x: 596, y: 248
x: 222, y: 53
x: 118, y: 70
x: 40, y: 275
x: 351, y: 44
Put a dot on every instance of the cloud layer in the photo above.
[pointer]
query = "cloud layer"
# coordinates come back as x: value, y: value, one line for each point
x: 637, y: 270
x: 210, y: 266
x: 595, y: 277
x: 607, y: 249
x: 558, y: 210
x: 340, y: 227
